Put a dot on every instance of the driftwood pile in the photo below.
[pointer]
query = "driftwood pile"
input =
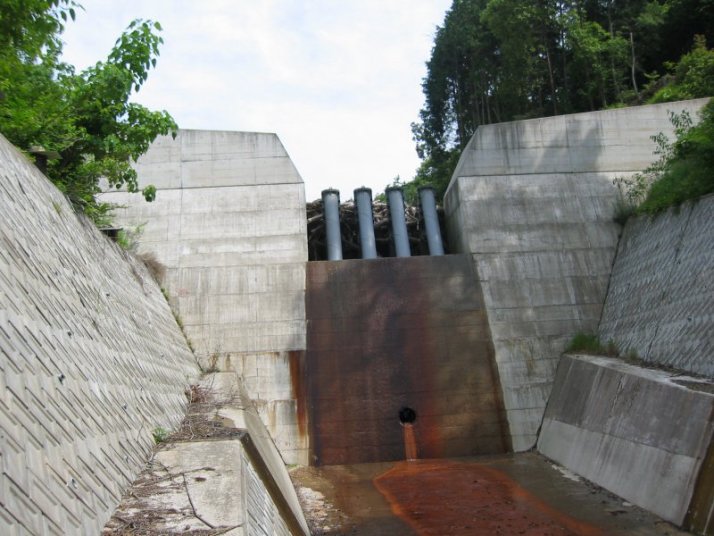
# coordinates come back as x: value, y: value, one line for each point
x: 349, y: 227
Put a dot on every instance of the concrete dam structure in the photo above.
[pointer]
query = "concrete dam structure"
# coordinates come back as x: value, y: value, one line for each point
x: 362, y: 360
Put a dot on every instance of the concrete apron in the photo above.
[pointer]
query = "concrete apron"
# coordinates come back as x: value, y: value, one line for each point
x: 502, y: 494
x: 220, y: 473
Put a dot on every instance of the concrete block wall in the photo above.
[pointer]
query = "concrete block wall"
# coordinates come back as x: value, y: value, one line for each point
x: 642, y: 434
x: 91, y: 361
x: 229, y: 224
x: 660, y: 303
x: 533, y: 203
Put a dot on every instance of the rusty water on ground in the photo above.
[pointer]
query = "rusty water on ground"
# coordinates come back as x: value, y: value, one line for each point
x: 496, y: 495
x: 437, y: 497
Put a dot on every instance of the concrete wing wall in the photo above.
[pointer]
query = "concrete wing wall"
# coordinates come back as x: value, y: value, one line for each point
x: 533, y: 203
x: 229, y: 224
x: 91, y: 361
x: 642, y: 434
x: 660, y: 303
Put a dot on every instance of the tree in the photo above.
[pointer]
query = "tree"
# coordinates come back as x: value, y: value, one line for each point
x: 85, y: 118
x: 693, y: 75
x: 500, y: 60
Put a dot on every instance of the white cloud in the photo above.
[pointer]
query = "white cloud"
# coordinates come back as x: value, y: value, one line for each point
x: 338, y: 81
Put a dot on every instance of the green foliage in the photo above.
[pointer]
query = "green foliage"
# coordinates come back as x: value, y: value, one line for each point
x: 693, y: 75
x: 85, y: 117
x: 683, y: 171
x: 501, y: 60
x: 160, y: 434
x: 590, y: 344
x: 128, y: 239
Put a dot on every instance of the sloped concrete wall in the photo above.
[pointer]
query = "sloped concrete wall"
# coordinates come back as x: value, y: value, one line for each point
x: 91, y: 361
x: 642, y: 434
x: 533, y: 203
x: 229, y: 224
x: 660, y: 303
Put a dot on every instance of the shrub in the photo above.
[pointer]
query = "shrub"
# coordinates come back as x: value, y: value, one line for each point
x: 590, y: 344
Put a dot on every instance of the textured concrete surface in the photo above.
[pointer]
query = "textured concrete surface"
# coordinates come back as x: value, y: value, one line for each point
x: 385, y: 334
x: 220, y: 473
x: 660, y: 303
x: 229, y: 224
x: 533, y: 203
x: 91, y: 361
x: 639, y: 433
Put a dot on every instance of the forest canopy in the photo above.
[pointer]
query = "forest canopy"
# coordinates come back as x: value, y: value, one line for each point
x: 503, y: 60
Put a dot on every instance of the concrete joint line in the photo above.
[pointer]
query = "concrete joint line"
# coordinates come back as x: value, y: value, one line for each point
x: 180, y: 188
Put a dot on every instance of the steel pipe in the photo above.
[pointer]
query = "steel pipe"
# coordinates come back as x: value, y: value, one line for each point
x: 331, y: 211
x: 431, y: 220
x: 363, y: 200
x: 395, y: 200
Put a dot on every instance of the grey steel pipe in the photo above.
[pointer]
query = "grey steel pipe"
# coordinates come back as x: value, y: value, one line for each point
x: 431, y: 220
x: 395, y: 200
x: 363, y: 200
x: 331, y: 211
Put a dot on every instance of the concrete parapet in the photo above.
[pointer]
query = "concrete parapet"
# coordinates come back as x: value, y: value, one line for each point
x: 640, y: 433
x: 220, y: 471
x: 91, y: 361
x: 533, y: 203
x: 229, y: 224
x: 660, y: 303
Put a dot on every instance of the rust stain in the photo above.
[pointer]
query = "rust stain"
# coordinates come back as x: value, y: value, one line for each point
x: 410, y: 447
x: 296, y: 359
x: 437, y: 497
x: 388, y: 333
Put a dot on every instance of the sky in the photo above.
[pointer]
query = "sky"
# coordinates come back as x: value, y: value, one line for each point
x: 339, y: 81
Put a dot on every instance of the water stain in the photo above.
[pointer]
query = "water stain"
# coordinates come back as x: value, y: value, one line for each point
x: 297, y: 364
x: 437, y: 497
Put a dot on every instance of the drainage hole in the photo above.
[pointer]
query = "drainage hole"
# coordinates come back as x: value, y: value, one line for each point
x: 407, y: 415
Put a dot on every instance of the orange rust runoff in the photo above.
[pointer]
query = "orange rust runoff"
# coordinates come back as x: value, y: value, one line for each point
x: 437, y: 497
x: 410, y: 448
x: 296, y: 359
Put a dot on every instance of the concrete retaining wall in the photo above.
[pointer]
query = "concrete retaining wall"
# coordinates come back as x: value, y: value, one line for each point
x: 229, y: 224
x: 91, y: 361
x: 533, y: 203
x: 660, y: 303
x: 642, y: 434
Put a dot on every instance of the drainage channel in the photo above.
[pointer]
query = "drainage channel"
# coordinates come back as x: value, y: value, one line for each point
x: 522, y: 494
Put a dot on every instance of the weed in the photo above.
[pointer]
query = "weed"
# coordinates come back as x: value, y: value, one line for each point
x: 590, y: 344
x: 195, y: 394
x: 128, y: 239
x: 683, y: 171
x: 160, y: 434
x: 57, y: 207
x: 212, y: 363
x: 177, y: 317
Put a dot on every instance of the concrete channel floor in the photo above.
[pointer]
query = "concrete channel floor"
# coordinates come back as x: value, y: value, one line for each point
x: 521, y: 494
